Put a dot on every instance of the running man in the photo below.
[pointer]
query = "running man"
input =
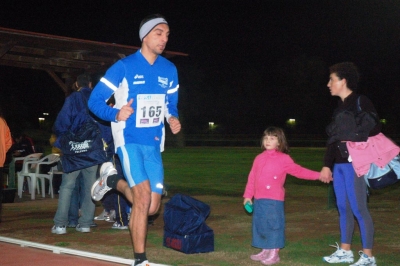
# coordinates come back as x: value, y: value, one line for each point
x: 145, y: 86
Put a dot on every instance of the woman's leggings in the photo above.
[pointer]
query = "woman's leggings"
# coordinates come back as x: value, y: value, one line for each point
x: 351, y: 199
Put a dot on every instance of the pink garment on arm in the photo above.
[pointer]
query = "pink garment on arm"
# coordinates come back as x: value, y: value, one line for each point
x: 378, y: 149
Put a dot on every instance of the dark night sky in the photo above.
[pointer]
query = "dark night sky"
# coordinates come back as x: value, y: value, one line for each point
x: 232, y: 46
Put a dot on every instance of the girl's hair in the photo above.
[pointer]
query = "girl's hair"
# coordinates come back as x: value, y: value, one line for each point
x: 277, y: 132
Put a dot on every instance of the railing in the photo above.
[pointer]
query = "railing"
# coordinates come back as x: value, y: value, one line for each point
x: 294, y: 140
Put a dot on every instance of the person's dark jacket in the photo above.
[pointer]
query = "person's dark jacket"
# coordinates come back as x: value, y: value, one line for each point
x: 72, y: 116
x: 355, y: 119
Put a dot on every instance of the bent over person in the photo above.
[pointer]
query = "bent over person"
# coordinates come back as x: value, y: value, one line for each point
x: 145, y: 86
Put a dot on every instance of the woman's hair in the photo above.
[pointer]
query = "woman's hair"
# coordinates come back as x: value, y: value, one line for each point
x: 348, y: 71
x: 277, y: 132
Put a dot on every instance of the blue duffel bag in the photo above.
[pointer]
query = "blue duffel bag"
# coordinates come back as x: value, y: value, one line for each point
x: 185, y: 229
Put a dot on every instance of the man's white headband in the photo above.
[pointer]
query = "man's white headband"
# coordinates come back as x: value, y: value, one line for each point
x: 149, y: 25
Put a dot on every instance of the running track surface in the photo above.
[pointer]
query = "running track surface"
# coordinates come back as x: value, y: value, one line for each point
x: 15, y: 255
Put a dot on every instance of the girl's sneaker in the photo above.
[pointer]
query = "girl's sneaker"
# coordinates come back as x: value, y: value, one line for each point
x: 260, y: 256
x: 365, y: 260
x: 340, y: 256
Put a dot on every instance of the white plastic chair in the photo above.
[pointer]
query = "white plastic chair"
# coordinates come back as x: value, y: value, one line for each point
x: 28, y: 167
x: 50, y: 159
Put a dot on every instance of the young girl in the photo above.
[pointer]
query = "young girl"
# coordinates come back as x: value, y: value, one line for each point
x: 265, y: 184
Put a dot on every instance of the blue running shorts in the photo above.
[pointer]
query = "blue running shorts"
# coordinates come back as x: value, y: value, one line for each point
x: 141, y: 163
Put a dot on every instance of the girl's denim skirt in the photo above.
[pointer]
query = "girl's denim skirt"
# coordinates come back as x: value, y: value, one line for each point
x: 268, y: 224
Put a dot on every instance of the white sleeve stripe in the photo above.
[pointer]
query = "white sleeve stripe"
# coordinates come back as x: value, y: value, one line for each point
x: 173, y: 90
x: 108, y: 84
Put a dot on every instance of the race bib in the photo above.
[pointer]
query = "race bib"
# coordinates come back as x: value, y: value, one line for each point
x: 150, y: 110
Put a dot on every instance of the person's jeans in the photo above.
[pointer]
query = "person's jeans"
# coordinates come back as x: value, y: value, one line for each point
x: 64, y: 199
x: 77, y: 195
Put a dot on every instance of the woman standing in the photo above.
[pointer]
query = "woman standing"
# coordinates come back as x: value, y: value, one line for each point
x: 349, y: 124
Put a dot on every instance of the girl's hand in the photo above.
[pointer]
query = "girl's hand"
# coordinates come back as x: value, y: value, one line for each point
x: 325, y: 175
x: 247, y: 200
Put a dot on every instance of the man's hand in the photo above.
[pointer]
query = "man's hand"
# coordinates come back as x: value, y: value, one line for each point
x: 174, y: 124
x: 125, y: 112
x: 326, y: 175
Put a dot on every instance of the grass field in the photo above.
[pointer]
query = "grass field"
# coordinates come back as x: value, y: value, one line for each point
x: 217, y: 176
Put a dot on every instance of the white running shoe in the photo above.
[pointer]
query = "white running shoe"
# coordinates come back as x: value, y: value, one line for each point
x: 340, y: 256
x: 364, y: 260
x: 117, y: 225
x: 59, y: 230
x: 147, y: 263
x: 82, y: 229
x: 102, y: 216
x: 110, y: 217
x: 100, y: 187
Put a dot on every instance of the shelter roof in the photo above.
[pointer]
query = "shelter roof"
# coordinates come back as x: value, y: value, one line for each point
x: 62, y: 57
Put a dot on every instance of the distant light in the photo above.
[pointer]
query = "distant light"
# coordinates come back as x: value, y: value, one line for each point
x: 41, y: 119
x: 211, y: 125
x: 383, y: 121
x: 291, y: 121
x: 45, y: 113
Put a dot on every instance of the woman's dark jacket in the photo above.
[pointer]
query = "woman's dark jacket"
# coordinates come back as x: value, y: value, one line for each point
x: 355, y: 119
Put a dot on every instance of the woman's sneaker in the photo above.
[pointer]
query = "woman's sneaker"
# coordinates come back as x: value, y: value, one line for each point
x: 365, y: 260
x: 100, y: 187
x: 340, y: 256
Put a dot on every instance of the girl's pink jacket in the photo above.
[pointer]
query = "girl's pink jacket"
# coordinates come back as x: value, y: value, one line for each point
x: 268, y: 175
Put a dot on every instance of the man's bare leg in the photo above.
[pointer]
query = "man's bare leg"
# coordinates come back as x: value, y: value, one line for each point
x: 144, y: 203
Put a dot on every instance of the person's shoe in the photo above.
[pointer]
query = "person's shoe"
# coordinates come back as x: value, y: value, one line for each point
x: 82, y: 229
x: 340, y: 256
x: 110, y: 217
x: 93, y: 224
x: 71, y: 225
x: 260, y: 256
x: 117, y: 225
x: 102, y: 215
x: 59, y: 230
x: 272, y: 258
x: 144, y: 263
x: 100, y: 187
x: 364, y: 260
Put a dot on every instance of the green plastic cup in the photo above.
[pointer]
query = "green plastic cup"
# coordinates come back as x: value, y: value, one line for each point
x: 248, y: 207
